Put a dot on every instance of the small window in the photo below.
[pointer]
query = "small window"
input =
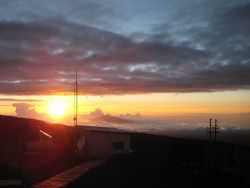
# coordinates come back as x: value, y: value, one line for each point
x: 118, y: 145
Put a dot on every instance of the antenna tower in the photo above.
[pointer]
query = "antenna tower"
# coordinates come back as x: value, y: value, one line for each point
x: 75, y: 99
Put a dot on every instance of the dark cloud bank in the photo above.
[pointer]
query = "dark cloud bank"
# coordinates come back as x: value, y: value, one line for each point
x: 39, y: 57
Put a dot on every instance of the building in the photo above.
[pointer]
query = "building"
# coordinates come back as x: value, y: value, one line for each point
x: 103, y: 141
x: 28, y: 153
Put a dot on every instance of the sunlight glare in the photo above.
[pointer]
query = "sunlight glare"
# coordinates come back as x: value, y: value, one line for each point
x: 57, y: 108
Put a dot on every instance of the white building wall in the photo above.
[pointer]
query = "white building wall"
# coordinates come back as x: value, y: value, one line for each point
x: 101, y: 144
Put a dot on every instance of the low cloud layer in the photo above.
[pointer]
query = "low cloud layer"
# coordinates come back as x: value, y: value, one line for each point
x: 28, y: 111
x: 211, y: 54
x: 96, y: 113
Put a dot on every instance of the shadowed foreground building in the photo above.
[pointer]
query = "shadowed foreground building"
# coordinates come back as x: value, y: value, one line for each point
x: 106, y: 159
x: 102, y: 142
x: 31, y: 150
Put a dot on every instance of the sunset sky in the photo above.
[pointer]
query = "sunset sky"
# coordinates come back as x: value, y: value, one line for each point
x: 148, y: 57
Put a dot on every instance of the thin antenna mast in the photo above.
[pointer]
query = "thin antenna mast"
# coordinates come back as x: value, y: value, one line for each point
x: 75, y: 99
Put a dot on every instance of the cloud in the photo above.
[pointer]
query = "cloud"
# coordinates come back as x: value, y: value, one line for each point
x: 27, y: 110
x: 39, y: 57
x: 96, y: 113
x: 91, y: 12
x: 18, y: 100
x: 130, y: 115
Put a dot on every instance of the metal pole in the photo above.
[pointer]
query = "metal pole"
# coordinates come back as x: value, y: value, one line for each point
x: 210, y: 129
x: 215, y: 130
x: 75, y: 99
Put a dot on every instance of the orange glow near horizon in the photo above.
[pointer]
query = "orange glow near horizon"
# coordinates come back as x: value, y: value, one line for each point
x: 146, y: 104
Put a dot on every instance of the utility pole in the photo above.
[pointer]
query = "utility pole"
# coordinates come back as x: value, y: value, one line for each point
x: 209, y: 130
x: 215, y: 130
x: 211, y: 148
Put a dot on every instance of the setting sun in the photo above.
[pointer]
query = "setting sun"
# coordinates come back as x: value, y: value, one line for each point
x: 57, y: 108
